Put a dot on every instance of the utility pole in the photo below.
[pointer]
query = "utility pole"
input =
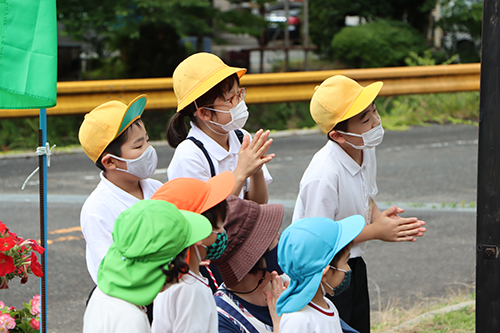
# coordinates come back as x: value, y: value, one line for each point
x: 488, y: 184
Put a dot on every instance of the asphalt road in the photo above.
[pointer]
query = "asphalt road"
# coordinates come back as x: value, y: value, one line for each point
x: 429, y: 171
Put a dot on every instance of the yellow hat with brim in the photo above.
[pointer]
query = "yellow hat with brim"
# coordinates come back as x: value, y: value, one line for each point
x: 340, y: 98
x: 105, y: 123
x: 199, y: 73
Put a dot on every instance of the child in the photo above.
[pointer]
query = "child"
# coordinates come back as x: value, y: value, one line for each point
x: 209, y: 94
x: 249, y: 268
x: 140, y: 263
x: 340, y: 182
x: 314, y: 252
x: 114, y: 137
x: 189, y: 306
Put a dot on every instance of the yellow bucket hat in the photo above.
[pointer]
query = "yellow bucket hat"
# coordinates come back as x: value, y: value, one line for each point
x: 197, y: 74
x: 339, y: 98
x: 105, y: 123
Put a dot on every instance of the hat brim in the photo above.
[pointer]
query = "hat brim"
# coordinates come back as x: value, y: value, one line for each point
x: 256, y: 244
x: 350, y: 228
x: 218, y: 76
x: 365, y: 98
x: 221, y: 187
x: 134, y: 112
x: 199, y: 228
x: 297, y: 296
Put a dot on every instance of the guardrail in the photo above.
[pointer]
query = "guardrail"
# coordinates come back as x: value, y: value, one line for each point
x: 82, y: 96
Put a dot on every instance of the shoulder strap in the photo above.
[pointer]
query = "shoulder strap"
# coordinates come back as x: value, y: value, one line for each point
x: 205, y: 152
x: 239, y: 134
x: 221, y: 303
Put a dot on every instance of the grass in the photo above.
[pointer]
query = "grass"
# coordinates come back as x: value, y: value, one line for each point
x: 398, y: 113
x: 428, y: 316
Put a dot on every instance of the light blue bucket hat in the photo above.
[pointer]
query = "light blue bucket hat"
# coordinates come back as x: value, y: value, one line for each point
x: 305, y: 249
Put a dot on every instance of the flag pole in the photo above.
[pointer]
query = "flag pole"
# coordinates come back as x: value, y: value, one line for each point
x: 42, y: 164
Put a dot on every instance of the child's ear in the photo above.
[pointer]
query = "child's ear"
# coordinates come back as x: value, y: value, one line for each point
x: 107, y: 162
x: 325, y: 271
x: 336, y: 136
x: 203, y: 114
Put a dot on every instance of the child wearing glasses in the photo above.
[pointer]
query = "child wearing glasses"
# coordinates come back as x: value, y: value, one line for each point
x: 209, y: 94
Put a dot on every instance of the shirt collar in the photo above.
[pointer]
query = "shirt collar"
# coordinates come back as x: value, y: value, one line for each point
x: 345, y: 159
x: 121, y: 195
x: 213, y: 148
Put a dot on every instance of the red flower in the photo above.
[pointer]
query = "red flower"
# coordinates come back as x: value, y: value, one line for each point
x: 6, y: 243
x: 35, y: 324
x: 36, y: 268
x: 36, y: 247
x: 6, y: 264
x: 3, y: 227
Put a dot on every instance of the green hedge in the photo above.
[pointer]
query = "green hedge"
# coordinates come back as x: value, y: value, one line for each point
x: 380, y: 43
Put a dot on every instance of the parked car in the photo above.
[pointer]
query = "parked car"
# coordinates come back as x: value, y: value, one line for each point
x: 276, y: 18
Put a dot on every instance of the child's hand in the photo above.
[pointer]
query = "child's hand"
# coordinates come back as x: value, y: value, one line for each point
x: 251, y: 156
x: 277, y: 288
x: 390, y: 227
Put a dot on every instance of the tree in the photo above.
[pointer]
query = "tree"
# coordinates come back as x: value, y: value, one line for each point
x: 462, y: 23
x: 327, y: 17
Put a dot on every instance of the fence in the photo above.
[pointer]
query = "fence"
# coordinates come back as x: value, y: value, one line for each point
x: 80, y: 97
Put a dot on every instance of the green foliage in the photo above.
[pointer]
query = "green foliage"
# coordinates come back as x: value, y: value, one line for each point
x: 428, y: 59
x: 377, y: 44
x: 279, y: 116
x: 399, y: 112
x: 462, y: 22
x: 327, y: 17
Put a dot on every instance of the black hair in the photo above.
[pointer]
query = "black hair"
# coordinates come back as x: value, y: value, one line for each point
x: 339, y: 255
x: 177, y: 130
x: 219, y: 210
x: 115, y: 147
x: 342, y: 126
x: 176, y: 267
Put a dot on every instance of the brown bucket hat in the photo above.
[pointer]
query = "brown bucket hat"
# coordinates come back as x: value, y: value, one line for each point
x: 251, y: 229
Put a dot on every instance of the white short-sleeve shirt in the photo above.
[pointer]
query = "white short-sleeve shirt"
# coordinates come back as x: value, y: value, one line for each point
x: 187, y: 306
x: 106, y: 313
x: 335, y: 186
x: 189, y: 160
x: 99, y: 213
x: 312, y: 319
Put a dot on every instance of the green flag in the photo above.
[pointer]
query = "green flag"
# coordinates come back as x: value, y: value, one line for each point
x: 28, y: 54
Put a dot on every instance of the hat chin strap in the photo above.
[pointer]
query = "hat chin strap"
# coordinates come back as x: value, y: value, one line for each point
x: 254, y: 289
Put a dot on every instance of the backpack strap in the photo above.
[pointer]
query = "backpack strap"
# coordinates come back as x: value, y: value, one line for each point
x: 205, y: 152
x: 200, y: 145
x: 235, y: 314
x: 239, y: 134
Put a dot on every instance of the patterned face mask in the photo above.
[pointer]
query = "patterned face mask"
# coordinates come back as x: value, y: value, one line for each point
x: 345, y: 282
x: 215, y: 250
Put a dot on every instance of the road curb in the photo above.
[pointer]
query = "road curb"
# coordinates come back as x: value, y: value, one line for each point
x: 409, y: 324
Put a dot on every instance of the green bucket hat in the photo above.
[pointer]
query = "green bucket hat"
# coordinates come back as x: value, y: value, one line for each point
x: 146, y: 237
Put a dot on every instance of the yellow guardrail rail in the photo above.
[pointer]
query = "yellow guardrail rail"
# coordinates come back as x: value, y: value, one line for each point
x: 80, y: 97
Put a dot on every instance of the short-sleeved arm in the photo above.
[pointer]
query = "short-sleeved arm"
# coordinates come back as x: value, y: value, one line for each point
x: 317, y: 198
x: 98, y: 239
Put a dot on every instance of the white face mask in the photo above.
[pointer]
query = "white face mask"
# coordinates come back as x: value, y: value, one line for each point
x: 142, y: 167
x: 239, y: 116
x: 371, y: 139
